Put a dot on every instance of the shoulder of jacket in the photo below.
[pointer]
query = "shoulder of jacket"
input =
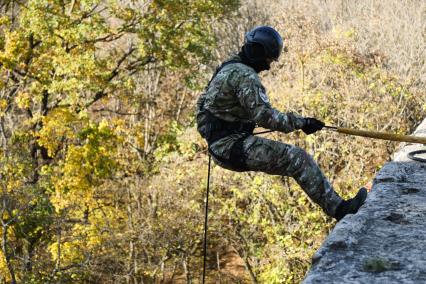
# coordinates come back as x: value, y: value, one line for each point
x: 241, y: 71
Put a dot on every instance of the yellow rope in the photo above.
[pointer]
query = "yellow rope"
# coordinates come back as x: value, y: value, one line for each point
x: 380, y: 135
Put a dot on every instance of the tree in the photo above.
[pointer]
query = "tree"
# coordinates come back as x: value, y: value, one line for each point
x: 76, y: 122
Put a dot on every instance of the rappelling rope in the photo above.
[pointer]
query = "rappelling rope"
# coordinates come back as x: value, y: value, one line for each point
x: 206, y: 219
x: 206, y: 211
x: 387, y: 136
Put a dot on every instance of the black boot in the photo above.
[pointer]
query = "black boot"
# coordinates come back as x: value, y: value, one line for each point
x: 352, y: 205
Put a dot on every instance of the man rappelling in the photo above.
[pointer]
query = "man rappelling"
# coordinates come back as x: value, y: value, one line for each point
x: 235, y: 102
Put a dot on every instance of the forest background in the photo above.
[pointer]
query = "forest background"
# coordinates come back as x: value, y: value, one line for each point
x: 102, y: 172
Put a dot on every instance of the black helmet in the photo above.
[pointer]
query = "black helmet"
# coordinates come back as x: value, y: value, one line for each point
x: 268, y: 38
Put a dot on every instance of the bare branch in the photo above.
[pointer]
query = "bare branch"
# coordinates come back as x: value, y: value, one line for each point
x: 71, y: 8
x: 116, y: 112
x: 113, y: 74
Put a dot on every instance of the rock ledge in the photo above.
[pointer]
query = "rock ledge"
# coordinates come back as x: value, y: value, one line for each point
x: 385, y: 242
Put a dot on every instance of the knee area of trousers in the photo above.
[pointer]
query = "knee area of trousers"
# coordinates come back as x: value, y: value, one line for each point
x: 300, y: 154
x: 300, y: 159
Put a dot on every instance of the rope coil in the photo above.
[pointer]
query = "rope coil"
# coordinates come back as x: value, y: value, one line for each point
x: 412, y: 155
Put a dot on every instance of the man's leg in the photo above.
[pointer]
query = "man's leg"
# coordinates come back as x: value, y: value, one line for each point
x: 277, y: 158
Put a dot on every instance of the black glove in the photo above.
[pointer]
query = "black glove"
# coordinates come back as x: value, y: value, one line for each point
x: 312, y: 125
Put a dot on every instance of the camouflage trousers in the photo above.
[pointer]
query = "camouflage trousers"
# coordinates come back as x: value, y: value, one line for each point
x: 277, y: 158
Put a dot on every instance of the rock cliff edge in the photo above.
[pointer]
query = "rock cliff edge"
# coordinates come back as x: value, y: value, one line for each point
x: 385, y: 242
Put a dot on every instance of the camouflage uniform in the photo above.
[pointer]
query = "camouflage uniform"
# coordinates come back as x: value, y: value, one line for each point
x: 236, y: 95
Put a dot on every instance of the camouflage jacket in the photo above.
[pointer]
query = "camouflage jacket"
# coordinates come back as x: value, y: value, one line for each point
x: 236, y: 94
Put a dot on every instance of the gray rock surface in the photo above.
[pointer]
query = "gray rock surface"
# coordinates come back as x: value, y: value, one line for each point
x: 385, y: 242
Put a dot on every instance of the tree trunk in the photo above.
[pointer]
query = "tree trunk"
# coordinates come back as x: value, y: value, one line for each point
x: 218, y: 267
x: 250, y: 270
x: 7, y: 255
x: 187, y: 272
x: 28, y: 259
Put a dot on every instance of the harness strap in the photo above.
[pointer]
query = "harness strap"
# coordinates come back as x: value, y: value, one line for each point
x: 220, y: 68
x: 218, y: 128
